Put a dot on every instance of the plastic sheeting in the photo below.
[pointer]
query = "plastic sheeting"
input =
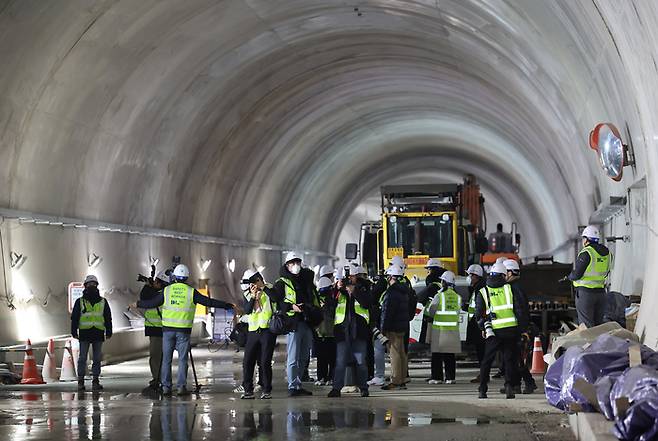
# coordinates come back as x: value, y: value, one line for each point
x: 640, y: 422
x: 637, y: 384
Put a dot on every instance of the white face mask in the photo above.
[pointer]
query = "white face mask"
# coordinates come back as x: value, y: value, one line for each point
x: 294, y: 268
x: 469, y: 280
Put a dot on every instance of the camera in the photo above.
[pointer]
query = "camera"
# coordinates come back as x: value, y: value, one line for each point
x: 488, y: 329
x: 379, y: 336
x: 142, y: 278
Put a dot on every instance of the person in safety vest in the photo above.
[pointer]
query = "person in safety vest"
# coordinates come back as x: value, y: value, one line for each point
x: 324, y: 345
x: 526, y: 342
x: 294, y: 291
x: 260, y: 341
x: 589, y: 278
x: 394, y: 323
x: 435, y: 270
x: 178, y: 305
x: 445, y: 342
x: 476, y: 281
x: 91, y: 323
x: 351, y: 330
x: 153, y: 328
x: 506, y: 317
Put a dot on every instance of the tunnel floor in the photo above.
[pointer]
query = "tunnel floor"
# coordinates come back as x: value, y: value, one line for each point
x: 444, y: 412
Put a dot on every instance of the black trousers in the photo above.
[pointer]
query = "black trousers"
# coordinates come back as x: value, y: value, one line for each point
x: 325, y: 352
x: 506, y: 340
x: 370, y: 358
x: 439, y: 359
x: 524, y: 362
x: 260, y: 346
x: 474, y: 337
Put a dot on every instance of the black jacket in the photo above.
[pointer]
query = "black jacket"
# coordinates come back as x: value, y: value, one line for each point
x: 474, y: 290
x: 434, y: 276
x: 521, y: 310
x: 396, y: 311
x: 428, y: 293
x: 199, y: 299
x: 304, y: 288
x: 149, y: 293
x: 93, y: 296
x: 582, y: 262
x: 354, y: 326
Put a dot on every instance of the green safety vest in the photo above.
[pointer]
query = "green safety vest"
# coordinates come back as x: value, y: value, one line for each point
x: 502, y: 305
x: 261, y: 319
x: 91, y: 316
x: 342, y: 307
x: 597, y: 270
x: 471, y: 306
x: 153, y: 318
x: 446, y: 316
x: 178, y: 308
x: 290, y: 293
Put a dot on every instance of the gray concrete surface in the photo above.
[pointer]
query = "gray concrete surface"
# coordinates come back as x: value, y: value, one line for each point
x: 120, y: 412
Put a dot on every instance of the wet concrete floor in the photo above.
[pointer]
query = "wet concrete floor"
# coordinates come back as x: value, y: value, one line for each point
x: 121, y: 412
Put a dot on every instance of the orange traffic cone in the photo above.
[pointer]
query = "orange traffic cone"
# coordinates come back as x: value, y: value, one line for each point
x: 30, y: 372
x: 538, y: 364
x: 49, y: 370
x: 68, y: 367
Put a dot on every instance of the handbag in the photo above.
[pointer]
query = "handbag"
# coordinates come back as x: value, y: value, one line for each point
x: 281, y: 323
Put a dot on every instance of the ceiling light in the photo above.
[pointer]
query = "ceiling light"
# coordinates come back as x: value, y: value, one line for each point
x: 17, y: 260
x: 231, y: 265
x: 204, y: 264
x: 93, y: 260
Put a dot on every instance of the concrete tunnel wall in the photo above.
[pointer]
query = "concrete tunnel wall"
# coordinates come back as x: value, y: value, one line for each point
x: 267, y: 122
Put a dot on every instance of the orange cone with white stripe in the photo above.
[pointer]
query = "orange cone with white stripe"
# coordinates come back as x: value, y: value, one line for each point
x: 68, y: 367
x: 538, y: 364
x: 49, y: 370
x: 30, y: 371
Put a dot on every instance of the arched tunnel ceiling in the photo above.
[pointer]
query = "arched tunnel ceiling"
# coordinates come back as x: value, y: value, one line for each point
x: 253, y: 119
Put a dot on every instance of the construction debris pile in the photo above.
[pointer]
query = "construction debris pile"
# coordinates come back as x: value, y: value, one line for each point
x: 610, y: 374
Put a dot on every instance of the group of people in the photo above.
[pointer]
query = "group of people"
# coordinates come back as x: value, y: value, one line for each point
x: 348, y: 321
x: 336, y: 318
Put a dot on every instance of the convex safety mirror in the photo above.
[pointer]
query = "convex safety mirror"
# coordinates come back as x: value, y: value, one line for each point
x: 612, y: 152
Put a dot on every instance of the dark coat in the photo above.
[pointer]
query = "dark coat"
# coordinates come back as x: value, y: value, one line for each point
x: 396, y: 312
x: 304, y: 288
x: 93, y: 296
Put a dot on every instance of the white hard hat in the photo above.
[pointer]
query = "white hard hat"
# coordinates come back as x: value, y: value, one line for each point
x: 163, y: 276
x: 339, y: 273
x: 448, y: 277
x: 181, y: 271
x: 433, y: 263
x: 249, y: 273
x: 358, y: 270
x: 293, y: 255
x: 498, y: 268
x: 326, y: 269
x: 591, y: 232
x: 475, y: 269
x: 397, y: 260
x: 394, y: 270
x: 511, y: 265
x: 501, y: 259
x: 91, y: 278
x: 324, y: 282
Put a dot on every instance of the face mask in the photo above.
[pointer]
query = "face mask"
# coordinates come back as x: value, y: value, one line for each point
x: 295, y: 269
x: 469, y: 280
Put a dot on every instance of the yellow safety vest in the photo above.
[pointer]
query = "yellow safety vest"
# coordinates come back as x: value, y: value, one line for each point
x: 260, y: 319
x: 502, y: 305
x: 178, y: 308
x: 597, y: 270
x: 290, y: 293
x: 153, y: 318
x: 446, y: 316
x: 341, y: 309
x: 91, y: 316
x: 471, y: 306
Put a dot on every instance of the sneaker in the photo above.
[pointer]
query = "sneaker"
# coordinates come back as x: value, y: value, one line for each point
x: 435, y: 382
x: 329, y: 383
x: 166, y: 392
x: 247, y: 396
x: 266, y: 396
x: 303, y: 391
x: 376, y: 381
x: 391, y: 386
x: 238, y: 390
x: 96, y: 385
x: 451, y: 381
x: 182, y: 392
x: 498, y: 374
x: 515, y: 389
x: 529, y: 388
x: 482, y: 395
x: 510, y: 393
x: 334, y: 393
x: 365, y: 393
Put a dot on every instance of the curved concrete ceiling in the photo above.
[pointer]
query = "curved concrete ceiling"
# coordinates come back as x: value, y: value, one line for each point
x: 253, y: 119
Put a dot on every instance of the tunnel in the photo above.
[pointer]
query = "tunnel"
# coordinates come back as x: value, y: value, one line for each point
x: 232, y: 131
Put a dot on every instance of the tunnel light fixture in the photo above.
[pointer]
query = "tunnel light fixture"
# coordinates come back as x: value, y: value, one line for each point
x: 613, y: 154
x: 153, y: 261
x: 231, y: 265
x: 93, y: 260
x: 17, y: 260
x: 204, y: 264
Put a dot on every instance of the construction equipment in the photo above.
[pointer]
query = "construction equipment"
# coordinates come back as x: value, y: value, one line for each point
x: 446, y: 222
